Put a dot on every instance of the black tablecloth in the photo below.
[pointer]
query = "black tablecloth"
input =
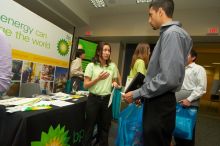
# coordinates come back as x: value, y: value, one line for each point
x: 23, y: 128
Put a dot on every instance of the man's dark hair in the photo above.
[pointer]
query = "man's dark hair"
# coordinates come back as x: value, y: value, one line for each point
x: 166, y: 5
x: 79, y: 52
x: 193, y: 53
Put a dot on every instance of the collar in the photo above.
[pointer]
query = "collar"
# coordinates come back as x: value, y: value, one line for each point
x: 191, y: 65
x: 168, y: 24
x: 78, y: 58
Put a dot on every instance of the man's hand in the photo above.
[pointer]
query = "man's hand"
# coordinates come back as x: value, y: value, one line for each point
x: 128, y: 97
x: 185, y: 102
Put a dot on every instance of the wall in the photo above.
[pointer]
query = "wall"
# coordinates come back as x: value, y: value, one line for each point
x: 196, y: 22
x: 115, y: 52
x: 209, y: 73
x: 208, y: 53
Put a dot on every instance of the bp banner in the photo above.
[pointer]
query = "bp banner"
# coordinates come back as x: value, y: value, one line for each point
x: 33, y: 38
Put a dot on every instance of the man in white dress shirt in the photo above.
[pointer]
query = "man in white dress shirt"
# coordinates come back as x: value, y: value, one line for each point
x: 76, y: 71
x: 193, y: 88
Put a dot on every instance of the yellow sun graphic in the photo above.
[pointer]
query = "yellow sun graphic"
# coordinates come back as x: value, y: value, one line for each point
x: 54, y: 142
x: 54, y: 137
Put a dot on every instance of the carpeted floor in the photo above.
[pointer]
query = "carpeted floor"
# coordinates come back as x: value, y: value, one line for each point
x: 208, y: 130
x: 207, y: 126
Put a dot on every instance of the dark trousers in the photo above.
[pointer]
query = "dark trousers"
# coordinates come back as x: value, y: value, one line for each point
x: 159, y: 119
x: 185, y: 142
x: 2, y: 123
x: 97, y: 112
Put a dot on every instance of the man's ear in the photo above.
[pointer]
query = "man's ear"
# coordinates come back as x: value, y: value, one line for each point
x: 193, y: 59
x: 161, y: 12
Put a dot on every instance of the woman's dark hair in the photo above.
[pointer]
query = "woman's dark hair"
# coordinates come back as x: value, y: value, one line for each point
x: 79, y: 52
x: 99, y: 52
x: 193, y: 53
x: 166, y: 5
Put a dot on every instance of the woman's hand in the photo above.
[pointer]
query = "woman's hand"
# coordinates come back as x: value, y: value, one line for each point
x: 115, y: 84
x: 103, y: 75
x: 88, y: 82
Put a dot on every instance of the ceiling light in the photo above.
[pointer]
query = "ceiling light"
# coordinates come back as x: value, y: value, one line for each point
x: 208, y: 66
x: 216, y: 63
x: 143, y: 1
x: 98, y: 3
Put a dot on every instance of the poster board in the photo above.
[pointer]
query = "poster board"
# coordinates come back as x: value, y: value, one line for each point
x: 38, y: 46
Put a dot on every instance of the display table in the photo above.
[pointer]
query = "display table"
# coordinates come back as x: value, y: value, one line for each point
x: 26, y: 128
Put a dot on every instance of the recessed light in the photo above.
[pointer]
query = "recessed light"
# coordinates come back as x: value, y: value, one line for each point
x: 207, y: 66
x: 98, y: 3
x: 143, y: 1
x: 216, y: 63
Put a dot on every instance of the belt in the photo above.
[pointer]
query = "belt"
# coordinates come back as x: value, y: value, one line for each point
x: 99, y: 96
x: 159, y: 96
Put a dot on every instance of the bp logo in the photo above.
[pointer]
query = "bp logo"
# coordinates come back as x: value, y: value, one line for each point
x: 54, y: 137
x: 63, y: 47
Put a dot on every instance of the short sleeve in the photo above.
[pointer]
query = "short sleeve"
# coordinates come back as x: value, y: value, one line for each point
x: 140, y: 66
x: 115, y: 71
x: 88, y: 70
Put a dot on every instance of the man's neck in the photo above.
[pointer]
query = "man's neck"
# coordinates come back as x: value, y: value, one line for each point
x: 166, y: 20
x: 190, y: 63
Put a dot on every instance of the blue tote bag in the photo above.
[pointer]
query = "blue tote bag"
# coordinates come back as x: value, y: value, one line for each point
x: 116, y: 103
x: 130, y: 130
x: 185, y: 122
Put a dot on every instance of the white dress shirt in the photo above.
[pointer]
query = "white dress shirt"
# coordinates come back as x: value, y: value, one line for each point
x: 76, y: 67
x: 195, y: 80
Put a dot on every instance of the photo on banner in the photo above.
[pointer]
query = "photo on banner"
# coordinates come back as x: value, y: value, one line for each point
x: 47, y: 73
x: 61, y: 75
x: 16, y: 78
x: 46, y: 87
x: 16, y: 70
x: 31, y: 72
x: 13, y: 89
